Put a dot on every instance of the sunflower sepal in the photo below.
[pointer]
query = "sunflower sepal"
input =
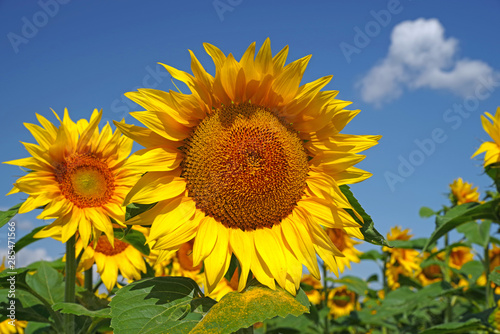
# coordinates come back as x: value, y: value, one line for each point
x: 368, y: 229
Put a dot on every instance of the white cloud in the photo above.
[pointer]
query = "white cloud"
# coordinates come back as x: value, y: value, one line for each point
x: 27, y: 256
x: 421, y: 57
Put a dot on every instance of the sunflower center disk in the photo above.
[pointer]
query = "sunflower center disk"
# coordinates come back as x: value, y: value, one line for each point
x: 245, y: 167
x: 104, y: 247
x: 85, y: 180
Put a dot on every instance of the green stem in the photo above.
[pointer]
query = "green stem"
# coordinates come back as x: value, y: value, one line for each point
x: 448, y: 312
x: 88, y: 280
x: 489, y: 291
x: 69, y: 292
x: 248, y: 330
x: 325, y: 300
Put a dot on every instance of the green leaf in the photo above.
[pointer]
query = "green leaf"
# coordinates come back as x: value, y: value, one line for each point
x: 371, y: 255
x: 368, y: 229
x: 28, y: 307
x: 28, y: 239
x: 240, y: 310
x: 476, y: 233
x: 462, y: 214
x: 77, y: 309
x: 135, y: 238
x: 418, y: 243
x: 6, y: 216
x: 47, y: 282
x: 455, y: 327
x: 495, y: 275
x: 158, y: 305
x: 426, y: 212
x: 134, y: 209
x: 354, y: 284
x: 473, y: 269
x: 493, y: 171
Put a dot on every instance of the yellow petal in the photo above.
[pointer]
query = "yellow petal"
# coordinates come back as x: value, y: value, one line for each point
x: 205, y: 240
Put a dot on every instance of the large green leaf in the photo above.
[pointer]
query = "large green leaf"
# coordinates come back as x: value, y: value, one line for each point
x: 28, y: 307
x: 47, y: 282
x: 418, y: 243
x: 6, y: 216
x: 241, y: 310
x: 494, y: 276
x: 462, y: 214
x: 455, y: 327
x: 477, y: 233
x: 158, y: 305
x: 368, y: 228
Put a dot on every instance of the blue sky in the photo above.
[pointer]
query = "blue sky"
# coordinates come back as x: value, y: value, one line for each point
x: 408, y: 65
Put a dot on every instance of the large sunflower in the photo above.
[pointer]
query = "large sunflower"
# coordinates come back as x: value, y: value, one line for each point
x: 491, y: 148
x: 78, y: 174
x: 249, y: 163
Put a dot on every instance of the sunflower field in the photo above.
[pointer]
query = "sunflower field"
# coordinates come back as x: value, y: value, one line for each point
x: 230, y: 211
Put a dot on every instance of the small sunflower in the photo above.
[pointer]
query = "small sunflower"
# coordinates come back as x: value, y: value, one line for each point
x: 342, y: 302
x: 313, y: 294
x: 392, y: 274
x: 491, y: 148
x: 123, y: 258
x: 406, y: 258
x: 13, y: 327
x: 343, y: 241
x: 431, y: 273
x: 462, y: 192
x: 249, y: 163
x: 459, y: 256
x: 78, y: 175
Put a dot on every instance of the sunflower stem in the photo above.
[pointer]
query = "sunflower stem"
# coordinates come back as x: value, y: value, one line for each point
x: 248, y: 330
x: 69, y: 292
x: 325, y: 300
x: 88, y: 280
x: 488, y: 292
x: 448, y: 313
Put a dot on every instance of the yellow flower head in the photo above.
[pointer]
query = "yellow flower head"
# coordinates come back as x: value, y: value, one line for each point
x: 392, y: 273
x: 345, y: 244
x: 249, y: 163
x: 431, y: 273
x: 78, y: 174
x: 341, y: 302
x: 459, y: 256
x: 13, y: 327
x: 463, y: 192
x: 406, y: 258
x: 123, y: 258
x: 491, y: 148
x: 314, y: 295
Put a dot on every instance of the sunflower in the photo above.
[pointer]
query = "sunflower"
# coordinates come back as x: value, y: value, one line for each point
x: 406, y: 258
x: 341, y: 302
x: 491, y: 148
x: 432, y: 272
x: 78, y: 175
x: 345, y: 244
x: 392, y: 273
x: 459, y: 256
x: 13, y: 327
x: 462, y: 192
x: 314, y: 287
x: 249, y: 163
x: 123, y: 258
